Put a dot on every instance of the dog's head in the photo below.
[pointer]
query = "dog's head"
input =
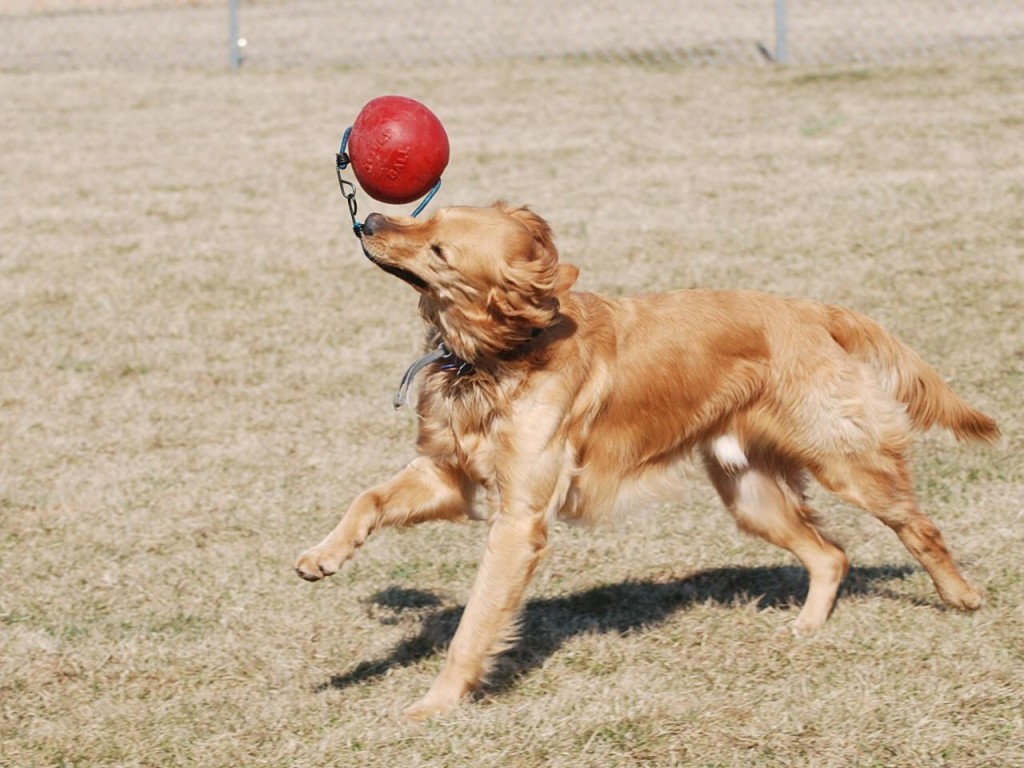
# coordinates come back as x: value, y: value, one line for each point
x: 489, y: 278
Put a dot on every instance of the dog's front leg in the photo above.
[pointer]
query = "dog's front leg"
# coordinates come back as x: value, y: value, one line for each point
x: 424, y: 490
x: 515, y: 546
x: 534, y: 474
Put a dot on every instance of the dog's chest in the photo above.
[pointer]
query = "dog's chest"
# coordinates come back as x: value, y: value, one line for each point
x: 472, y: 425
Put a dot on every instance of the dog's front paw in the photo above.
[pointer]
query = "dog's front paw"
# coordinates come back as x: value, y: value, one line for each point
x: 430, y: 707
x: 316, y: 563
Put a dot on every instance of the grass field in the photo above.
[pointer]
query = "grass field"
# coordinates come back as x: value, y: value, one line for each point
x: 196, y: 371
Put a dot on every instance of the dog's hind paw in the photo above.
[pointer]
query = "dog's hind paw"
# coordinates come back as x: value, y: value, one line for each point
x: 966, y: 597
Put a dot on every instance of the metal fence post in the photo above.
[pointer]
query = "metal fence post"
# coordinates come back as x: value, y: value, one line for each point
x: 234, y: 52
x: 781, y: 32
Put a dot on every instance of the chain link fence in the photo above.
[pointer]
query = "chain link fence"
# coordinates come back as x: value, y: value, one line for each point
x: 64, y: 35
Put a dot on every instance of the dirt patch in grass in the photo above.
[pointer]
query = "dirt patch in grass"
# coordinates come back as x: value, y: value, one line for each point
x: 196, y: 373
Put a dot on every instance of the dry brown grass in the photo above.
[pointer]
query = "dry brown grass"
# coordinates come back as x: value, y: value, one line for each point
x: 196, y: 372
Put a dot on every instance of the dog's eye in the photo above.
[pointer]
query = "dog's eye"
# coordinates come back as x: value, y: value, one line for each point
x: 438, y: 251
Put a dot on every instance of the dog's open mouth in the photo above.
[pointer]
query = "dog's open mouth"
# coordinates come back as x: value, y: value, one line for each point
x: 414, y: 280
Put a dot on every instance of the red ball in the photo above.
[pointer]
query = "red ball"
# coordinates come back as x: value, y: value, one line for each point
x: 398, y: 149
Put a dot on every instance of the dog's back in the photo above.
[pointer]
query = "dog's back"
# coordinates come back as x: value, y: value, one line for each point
x: 682, y: 361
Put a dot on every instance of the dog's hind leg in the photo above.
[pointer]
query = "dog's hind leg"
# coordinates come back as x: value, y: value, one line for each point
x: 880, y: 482
x: 422, y: 491
x: 768, y: 501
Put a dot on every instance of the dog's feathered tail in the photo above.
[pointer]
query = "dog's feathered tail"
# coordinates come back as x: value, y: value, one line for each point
x: 930, y: 401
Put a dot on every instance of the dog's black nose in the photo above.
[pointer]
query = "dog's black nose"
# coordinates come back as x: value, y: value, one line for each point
x: 371, y: 224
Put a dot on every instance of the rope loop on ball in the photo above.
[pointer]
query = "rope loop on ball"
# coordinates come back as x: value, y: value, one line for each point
x: 343, y: 159
x: 427, y: 199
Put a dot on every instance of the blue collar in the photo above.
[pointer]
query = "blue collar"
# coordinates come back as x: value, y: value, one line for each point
x: 451, y: 363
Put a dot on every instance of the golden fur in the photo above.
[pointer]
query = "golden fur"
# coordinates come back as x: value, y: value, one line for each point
x: 571, y: 400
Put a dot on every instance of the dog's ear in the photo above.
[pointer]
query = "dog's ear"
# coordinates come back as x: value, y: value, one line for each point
x: 558, y: 278
x: 543, y: 237
x: 567, y: 275
x: 526, y: 295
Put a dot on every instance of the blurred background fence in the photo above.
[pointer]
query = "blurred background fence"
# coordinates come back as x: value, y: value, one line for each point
x: 63, y: 35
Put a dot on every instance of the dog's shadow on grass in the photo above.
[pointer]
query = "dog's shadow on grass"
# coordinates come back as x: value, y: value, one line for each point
x: 547, y: 623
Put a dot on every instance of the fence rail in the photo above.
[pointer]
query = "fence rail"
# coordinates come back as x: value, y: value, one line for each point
x: 61, y: 35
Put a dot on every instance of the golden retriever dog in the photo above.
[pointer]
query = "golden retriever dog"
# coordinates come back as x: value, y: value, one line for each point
x: 540, y: 402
